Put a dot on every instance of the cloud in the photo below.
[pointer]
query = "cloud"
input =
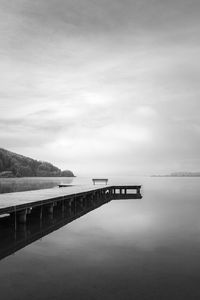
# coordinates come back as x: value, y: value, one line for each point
x: 101, y: 86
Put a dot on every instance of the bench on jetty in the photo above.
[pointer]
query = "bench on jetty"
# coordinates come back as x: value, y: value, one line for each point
x: 100, y: 180
x: 21, y: 204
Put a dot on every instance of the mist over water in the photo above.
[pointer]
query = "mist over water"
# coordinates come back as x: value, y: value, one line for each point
x: 126, y: 249
x: 10, y: 185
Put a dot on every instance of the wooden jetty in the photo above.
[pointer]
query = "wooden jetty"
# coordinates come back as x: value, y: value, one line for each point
x: 21, y: 204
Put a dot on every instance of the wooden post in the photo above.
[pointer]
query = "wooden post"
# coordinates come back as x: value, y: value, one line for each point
x: 28, y: 211
x: 41, y: 211
x: 41, y: 215
x: 70, y: 202
x: 21, y: 215
x: 50, y: 208
x: 63, y: 208
x: 138, y: 190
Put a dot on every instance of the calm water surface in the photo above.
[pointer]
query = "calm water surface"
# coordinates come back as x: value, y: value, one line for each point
x: 10, y: 185
x: 125, y: 249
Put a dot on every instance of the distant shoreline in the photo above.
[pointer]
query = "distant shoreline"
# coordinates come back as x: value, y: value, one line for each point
x: 175, y: 175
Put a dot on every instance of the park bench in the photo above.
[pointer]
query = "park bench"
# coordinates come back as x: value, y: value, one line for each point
x: 100, y: 180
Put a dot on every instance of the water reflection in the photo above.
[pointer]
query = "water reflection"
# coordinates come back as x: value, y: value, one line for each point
x: 10, y: 185
x: 14, y: 236
x: 127, y: 249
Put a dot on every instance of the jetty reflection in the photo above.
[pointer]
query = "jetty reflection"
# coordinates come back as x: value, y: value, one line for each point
x: 15, y: 236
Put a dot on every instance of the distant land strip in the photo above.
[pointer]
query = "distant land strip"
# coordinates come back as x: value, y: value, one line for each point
x: 16, y: 165
x: 180, y: 174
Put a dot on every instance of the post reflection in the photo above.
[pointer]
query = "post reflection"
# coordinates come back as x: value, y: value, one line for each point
x: 43, y: 220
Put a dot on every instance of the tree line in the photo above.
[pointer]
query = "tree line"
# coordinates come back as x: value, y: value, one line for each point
x: 15, y: 165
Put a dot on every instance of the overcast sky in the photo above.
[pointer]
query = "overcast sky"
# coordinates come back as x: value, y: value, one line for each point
x: 102, y: 86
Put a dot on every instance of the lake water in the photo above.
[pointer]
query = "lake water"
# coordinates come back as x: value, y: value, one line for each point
x: 125, y: 249
x: 9, y: 185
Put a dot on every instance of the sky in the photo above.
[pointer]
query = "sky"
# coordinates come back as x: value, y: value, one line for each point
x: 104, y: 87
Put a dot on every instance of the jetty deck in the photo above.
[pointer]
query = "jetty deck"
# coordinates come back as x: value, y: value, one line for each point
x: 21, y: 203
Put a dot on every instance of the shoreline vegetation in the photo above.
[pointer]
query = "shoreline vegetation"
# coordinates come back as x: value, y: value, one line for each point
x: 14, y: 165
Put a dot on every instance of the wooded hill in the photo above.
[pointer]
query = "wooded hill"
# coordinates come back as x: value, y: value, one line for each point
x: 16, y: 165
